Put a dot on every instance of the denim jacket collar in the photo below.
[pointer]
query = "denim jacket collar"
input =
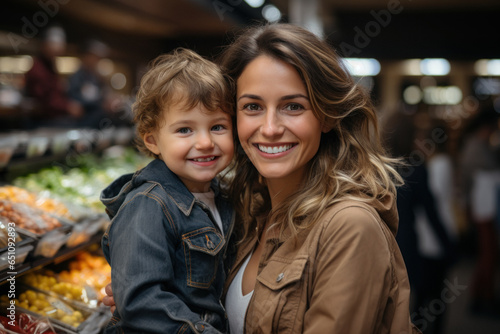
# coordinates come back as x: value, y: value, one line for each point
x: 158, y: 172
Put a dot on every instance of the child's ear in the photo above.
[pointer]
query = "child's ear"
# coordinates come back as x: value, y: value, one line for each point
x: 150, y: 142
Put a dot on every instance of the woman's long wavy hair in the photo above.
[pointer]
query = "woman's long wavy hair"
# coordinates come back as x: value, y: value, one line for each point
x: 350, y: 163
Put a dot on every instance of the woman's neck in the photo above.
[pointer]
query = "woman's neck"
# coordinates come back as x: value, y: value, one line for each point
x: 281, y: 189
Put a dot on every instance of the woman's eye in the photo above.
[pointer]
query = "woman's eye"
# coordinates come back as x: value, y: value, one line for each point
x: 294, y: 107
x: 218, y: 127
x: 251, y: 107
x: 184, y: 130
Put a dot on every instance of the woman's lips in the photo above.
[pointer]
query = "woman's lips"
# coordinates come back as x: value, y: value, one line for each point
x: 275, y: 150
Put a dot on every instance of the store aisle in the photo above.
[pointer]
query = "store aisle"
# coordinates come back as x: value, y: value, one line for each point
x: 458, y: 319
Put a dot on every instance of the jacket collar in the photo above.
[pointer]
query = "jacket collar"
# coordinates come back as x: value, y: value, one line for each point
x: 157, y: 171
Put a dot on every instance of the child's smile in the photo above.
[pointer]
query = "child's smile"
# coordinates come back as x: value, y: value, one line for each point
x: 195, y: 144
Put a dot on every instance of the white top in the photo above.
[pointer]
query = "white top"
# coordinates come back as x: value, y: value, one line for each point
x: 485, y: 195
x: 236, y: 302
x: 208, y: 199
x: 440, y: 171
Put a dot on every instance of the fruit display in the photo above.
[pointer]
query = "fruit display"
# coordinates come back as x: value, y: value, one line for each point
x: 26, y: 324
x: 52, y: 307
x: 62, y: 201
x: 88, y: 269
x: 27, y: 218
x: 4, y: 235
x: 48, y: 282
x: 82, y: 182
x: 40, y: 201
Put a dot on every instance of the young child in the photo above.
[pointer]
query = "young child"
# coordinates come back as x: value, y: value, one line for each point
x: 170, y: 224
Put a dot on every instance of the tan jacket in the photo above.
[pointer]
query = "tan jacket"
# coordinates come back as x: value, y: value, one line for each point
x: 345, y: 275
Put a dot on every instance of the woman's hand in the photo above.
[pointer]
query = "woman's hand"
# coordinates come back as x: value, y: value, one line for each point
x: 109, y: 300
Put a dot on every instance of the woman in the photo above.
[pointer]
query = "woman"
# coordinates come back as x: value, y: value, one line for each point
x: 315, y: 194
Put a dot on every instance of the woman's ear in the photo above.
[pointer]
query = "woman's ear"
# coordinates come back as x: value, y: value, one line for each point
x: 326, y: 123
x: 150, y: 142
x: 325, y: 128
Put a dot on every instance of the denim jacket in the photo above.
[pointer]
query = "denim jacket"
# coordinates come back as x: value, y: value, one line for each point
x: 166, y: 254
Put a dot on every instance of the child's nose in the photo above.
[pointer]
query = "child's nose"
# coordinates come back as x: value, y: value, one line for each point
x: 204, y: 141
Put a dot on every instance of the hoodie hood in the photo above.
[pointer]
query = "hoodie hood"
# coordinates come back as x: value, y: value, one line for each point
x: 387, y: 210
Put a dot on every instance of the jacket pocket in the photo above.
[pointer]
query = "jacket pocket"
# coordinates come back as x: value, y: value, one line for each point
x: 282, y: 283
x: 201, y: 252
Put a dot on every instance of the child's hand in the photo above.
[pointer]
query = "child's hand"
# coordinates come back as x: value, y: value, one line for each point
x: 109, y: 300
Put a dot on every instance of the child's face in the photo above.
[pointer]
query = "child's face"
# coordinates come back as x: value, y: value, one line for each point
x: 195, y: 144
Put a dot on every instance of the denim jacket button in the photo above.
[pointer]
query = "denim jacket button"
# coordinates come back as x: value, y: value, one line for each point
x: 199, y: 327
x: 280, y: 277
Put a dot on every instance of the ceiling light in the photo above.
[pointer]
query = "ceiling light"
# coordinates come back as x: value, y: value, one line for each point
x: 435, y: 66
x: 449, y: 95
x: 67, y: 65
x: 362, y: 66
x: 412, y: 67
x: 493, y: 67
x: 271, y: 13
x: 118, y: 81
x: 255, y: 3
x: 15, y: 64
x: 412, y: 95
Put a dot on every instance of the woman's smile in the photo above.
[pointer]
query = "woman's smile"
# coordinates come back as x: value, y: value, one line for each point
x: 274, y: 149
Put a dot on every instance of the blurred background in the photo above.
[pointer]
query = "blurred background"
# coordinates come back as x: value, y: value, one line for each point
x: 69, y: 70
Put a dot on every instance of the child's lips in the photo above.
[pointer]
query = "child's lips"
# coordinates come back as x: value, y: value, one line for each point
x: 205, y: 160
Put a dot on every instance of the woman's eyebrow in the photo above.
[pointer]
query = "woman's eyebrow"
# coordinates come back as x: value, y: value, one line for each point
x: 294, y: 96
x: 286, y: 97
x: 250, y: 96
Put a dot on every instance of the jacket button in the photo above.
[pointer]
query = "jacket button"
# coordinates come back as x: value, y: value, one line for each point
x: 280, y: 277
x: 199, y: 327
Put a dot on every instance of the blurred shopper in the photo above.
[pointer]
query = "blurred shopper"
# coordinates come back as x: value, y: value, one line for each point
x: 479, y: 180
x: 441, y: 174
x: 88, y: 88
x: 44, y: 84
x: 414, y: 196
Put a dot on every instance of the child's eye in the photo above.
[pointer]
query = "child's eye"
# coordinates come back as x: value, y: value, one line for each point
x: 184, y: 130
x: 294, y: 107
x: 218, y: 127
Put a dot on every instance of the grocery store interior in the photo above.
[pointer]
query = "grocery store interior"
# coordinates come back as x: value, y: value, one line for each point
x: 435, y: 64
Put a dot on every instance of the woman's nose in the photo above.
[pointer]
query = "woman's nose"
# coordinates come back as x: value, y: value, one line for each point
x: 204, y: 141
x: 272, y: 124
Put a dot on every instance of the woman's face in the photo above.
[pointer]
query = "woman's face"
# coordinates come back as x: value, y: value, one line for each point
x: 276, y: 125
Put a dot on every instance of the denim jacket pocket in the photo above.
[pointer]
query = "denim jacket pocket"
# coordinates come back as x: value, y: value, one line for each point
x: 201, y: 251
x: 283, y: 283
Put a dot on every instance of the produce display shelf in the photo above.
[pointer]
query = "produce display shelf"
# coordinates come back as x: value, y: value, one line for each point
x: 46, y: 145
x: 33, y: 264
x: 53, y: 165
